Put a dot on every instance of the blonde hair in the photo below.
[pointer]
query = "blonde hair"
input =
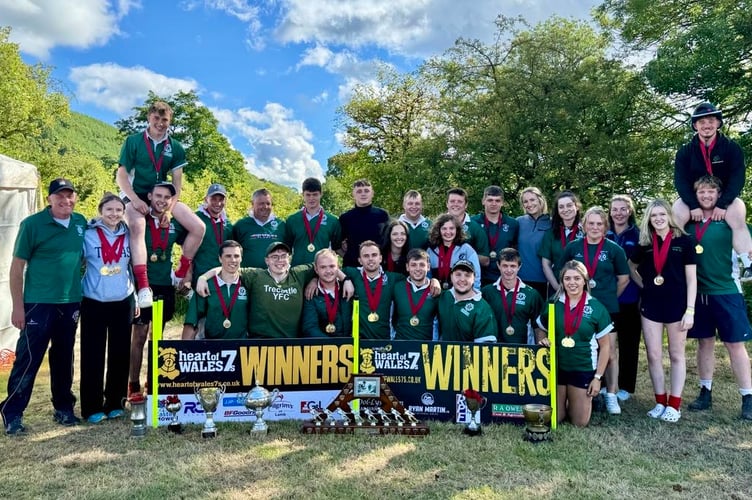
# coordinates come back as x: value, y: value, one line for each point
x: 596, y: 210
x: 538, y: 194
x: 572, y: 265
x: 646, y: 228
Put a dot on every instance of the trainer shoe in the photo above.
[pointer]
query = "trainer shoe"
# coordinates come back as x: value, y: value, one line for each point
x: 657, y: 411
x: 612, y: 404
x: 15, y: 427
x: 96, y: 418
x: 747, y: 407
x: 66, y: 418
x: 671, y: 414
x: 623, y: 395
x: 704, y: 400
x: 145, y: 298
x: 115, y: 414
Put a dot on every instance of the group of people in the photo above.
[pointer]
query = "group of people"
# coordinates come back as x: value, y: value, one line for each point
x: 482, y: 278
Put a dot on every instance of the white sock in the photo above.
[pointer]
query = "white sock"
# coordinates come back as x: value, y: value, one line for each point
x: 708, y: 384
x: 745, y: 392
x: 745, y: 260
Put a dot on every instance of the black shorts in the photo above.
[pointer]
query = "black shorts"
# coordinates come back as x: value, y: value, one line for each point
x: 575, y: 379
x: 142, y: 196
x: 167, y: 295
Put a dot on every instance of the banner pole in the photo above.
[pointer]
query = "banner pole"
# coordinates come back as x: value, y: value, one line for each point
x: 552, y: 355
x: 356, y: 344
x: 156, y: 337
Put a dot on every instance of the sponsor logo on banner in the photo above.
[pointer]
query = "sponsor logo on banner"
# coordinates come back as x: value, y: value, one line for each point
x: 281, y: 408
x: 306, y: 406
x: 506, y: 411
x: 231, y: 401
x: 463, y: 414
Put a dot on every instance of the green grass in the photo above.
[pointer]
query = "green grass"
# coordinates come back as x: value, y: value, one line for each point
x: 705, y: 455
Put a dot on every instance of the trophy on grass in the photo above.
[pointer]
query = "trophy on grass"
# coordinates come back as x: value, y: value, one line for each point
x: 173, y: 405
x: 258, y: 400
x: 474, y: 402
x: 208, y: 398
x: 137, y: 406
x: 538, y: 422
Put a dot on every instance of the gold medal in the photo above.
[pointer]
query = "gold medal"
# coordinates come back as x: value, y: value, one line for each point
x: 115, y: 270
x: 104, y: 271
x: 414, y: 321
x: 567, y: 342
x: 492, y: 255
x: 373, y: 317
x: 658, y: 280
x: 510, y: 330
x: 699, y: 249
x: 311, y: 247
x: 227, y: 323
x: 153, y: 257
x: 330, y: 328
x: 163, y: 256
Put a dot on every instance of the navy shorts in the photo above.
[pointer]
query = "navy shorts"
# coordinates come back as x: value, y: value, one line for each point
x: 725, y: 313
x: 575, y: 379
x: 167, y: 295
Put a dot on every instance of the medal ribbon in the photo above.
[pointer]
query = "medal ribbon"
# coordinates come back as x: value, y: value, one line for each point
x: 389, y: 262
x: 509, y: 309
x: 700, y: 231
x: 592, y: 266
x: 566, y: 239
x: 219, y: 229
x: 312, y: 233
x: 706, y: 151
x: 149, y: 149
x: 572, y: 320
x: 492, y: 241
x: 660, y: 252
x: 226, y: 310
x: 374, y: 297
x: 111, y: 253
x: 413, y: 308
x: 159, y: 236
x: 445, y: 259
x: 332, y: 305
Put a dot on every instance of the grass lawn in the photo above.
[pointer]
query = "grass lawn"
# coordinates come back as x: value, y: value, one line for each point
x: 704, y: 455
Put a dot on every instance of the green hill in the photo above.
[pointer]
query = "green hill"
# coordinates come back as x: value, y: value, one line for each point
x: 84, y: 134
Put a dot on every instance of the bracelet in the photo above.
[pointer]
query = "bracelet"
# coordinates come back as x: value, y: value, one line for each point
x: 691, y: 308
x: 689, y: 312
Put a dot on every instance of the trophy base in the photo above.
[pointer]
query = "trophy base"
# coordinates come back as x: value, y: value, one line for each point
x: 209, y: 434
x: 263, y: 431
x: 537, y: 436
x: 472, y: 432
x: 418, y: 430
x: 138, y: 431
x: 175, y: 428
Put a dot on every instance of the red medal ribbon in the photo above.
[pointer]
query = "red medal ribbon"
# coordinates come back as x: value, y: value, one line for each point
x: 572, y: 320
x: 445, y: 260
x: 566, y: 239
x: 226, y: 310
x: 706, y: 152
x: 509, y: 310
x: 389, y: 262
x: 415, y: 308
x: 660, y: 252
x: 149, y: 149
x: 701, y: 228
x: 332, y: 305
x: 492, y: 241
x: 219, y: 230
x: 111, y: 253
x: 374, y: 297
x: 159, y: 236
x: 312, y: 233
x: 592, y: 266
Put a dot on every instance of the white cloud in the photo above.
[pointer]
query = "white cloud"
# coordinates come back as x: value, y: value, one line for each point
x: 40, y: 25
x: 118, y: 88
x: 345, y: 64
x: 282, y: 149
x: 243, y: 10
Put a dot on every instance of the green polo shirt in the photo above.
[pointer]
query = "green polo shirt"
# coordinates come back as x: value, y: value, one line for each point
x: 134, y: 156
x: 418, y: 235
x: 475, y: 236
x: 207, y: 255
x: 527, y: 308
x: 403, y: 312
x: 612, y: 262
x: 160, y: 272
x: 552, y: 249
x: 315, y: 317
x: 714, y: 264
x: 53, y: 255
x: 378, y: 330
x: 467, y: 320
x: 255, y: 238
x: 211, y: 308
x: 329, y: 234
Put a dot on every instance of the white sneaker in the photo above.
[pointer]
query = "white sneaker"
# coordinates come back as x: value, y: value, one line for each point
x: 612, y: 404
x: 657, y: 412
x: 145, y: 298
x: 623, y: 395
x: 671, y: 415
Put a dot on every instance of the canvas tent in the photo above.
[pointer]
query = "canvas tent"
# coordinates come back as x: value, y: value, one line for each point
x: 19, y: 184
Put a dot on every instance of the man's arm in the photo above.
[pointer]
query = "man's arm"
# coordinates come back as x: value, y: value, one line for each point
x: 16, y: 276
x: 683, y: 181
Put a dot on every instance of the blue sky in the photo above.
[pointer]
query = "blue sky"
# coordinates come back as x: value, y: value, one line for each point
x: 272, y: 71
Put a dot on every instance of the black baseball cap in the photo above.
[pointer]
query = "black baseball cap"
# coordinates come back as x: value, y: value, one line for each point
x: 59, y: 184
x: 464, y: 264
x: 168, y: 185
x: 276, y: 246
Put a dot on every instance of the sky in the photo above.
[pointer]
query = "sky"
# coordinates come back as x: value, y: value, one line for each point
x: 273, y: 72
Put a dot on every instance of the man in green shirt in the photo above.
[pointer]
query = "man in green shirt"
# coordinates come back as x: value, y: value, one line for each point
x: 327, y: 313
x: 509, y: 298
x: 225, y: 310
x: 218, y: 229
x: 499, y: 229
x: 463, y: 314
x: 413, y: 216
x: 257, y: 230
x: 45, y: 290
x: 414, y: 306
x: 474, y: 235
x: 311, y: 228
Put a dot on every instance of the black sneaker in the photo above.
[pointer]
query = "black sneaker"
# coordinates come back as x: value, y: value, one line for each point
x: 704, y: 400
x: 747, y: 407
x: 15, y: 427
x: 66, y: 418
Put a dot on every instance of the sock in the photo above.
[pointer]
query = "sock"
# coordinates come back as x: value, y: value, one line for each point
x: 745, y: 260
x: 674, y: 402
x: 183, y: 267
x: 661, y: 399
x: 142, y: 279
x: 707, y: 384
x: 745, y: 392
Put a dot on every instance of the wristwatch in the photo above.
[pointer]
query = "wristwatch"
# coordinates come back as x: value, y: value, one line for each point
x: 597, y: 376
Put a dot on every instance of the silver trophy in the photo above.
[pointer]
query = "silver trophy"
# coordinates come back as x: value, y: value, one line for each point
x: 137, y: 406
x: 173, y: 406
x: 208, y: 398
x: 258, y: 400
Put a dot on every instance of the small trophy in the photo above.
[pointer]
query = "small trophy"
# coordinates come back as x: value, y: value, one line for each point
x: 474, y: 402
x: 258, y: 400
x: 137, y: 405
x: 538, y: 422
x: 173, y: 405
x: 208, y: 398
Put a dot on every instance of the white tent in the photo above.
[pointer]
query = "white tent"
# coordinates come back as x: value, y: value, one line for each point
x: 19, y: 184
